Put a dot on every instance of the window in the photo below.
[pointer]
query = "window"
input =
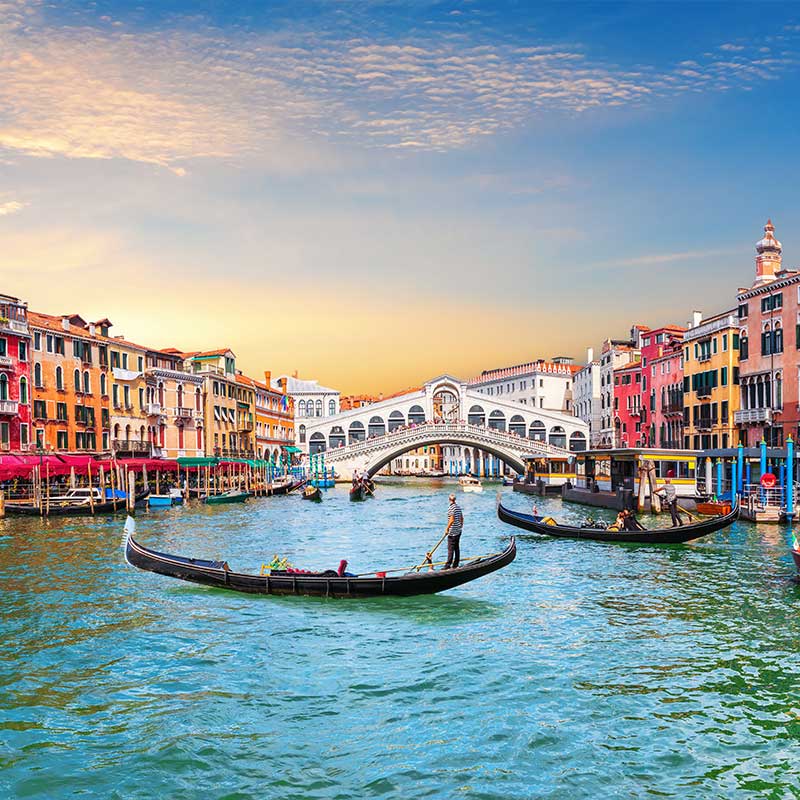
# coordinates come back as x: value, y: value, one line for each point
x: 23, y: 434
x: 744, y: 347
x: 58, y: 345
x: 3, y: 387
x: 23, y: 391
x: 39, y: 409
x: 77, y: 348
x: 141, y: 364
x: 61, y: 440
x: 37, y: 376
x: 724, y: 342
x: 331, y: 408
x: 77, y: 380
x: 61, y: 412
x: 49, y: 342
x: 103, y: 384
x: 87, y: 386
x: 37, y: 340
x: 124, y: 361
x: 59, y: 378
x: 115, y: 395
x: 724, y: 376
x: 3, y: 347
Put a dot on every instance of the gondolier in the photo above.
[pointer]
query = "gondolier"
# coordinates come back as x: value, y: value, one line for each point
x: 455, y: 524
x: 670, y: 494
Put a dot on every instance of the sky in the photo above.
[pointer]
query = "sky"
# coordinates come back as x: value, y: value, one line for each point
x: 373, y: 193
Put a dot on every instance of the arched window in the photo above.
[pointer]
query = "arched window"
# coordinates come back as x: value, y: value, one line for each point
x: 477, y: 416
x: 76, y: 377
x: 416, y: 415
x: 301, y: 408
x: 517, y: 425
x: 198, y: 399
x: 59, y: 377
x: 302, y: 433
x: 377, y: 427
x: 356, y: 432
x: 557, y: 437
x: 3, y: 386
x: 161, y: 394
x: 331, y: 408
x: 396, y: 420
x: 537, y: 431
x: 103, y: 386
x: 141, y: 433
x: 319, y: 408
x: 317, y: 443
x: 497, y: 420
x: 577, y: 440
x: 87, y: 386
x: 180, y: 395
x: 116, y: 431
x: 336, y: 438
x: 23, y: 391
x: 37, y: 375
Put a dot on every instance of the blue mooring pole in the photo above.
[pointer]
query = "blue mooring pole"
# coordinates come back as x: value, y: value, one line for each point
x: 763, y: 466
x: 719, y: 478
x: 734, y: 482
x: 741, y: 465
x: 789, y: 477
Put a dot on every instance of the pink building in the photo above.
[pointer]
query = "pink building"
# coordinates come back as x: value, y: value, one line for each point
x: 628, y: 429
x: 662, y: 374
x: 769, y: 335
x: 15, y: 387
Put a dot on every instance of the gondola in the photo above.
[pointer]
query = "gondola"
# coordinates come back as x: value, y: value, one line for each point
x: 328, y: 584
x: 796, y: 557
x: 312, y: 493
x: 677, y: 535
x: 231, y: 496
x: 362, y: 490
x: 287, y: 487
x: 63, y: 509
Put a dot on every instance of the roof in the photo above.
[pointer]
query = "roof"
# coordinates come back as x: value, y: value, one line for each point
x: 297, y: 386
x: 55, y: 324
x: 630, y: 366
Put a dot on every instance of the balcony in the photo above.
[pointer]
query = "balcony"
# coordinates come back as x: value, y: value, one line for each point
x: 221, y: 453
x: 181, y: 412
x: 753, y: 416
x: 704, y: 424
x: 672, y: 409
x: 130, y: 447
x: 13, y: 326
x: 6, y: 362
x: 9, y: 407
x: 703, y: 391
x: 154, y: 410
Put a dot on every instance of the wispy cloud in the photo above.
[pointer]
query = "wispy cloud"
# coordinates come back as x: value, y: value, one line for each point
x: 654, y: 259
x: 10, y: 207
x: 169, y: 96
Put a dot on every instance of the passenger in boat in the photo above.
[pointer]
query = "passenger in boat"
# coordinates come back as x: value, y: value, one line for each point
x: 455, y: 524
x: 631, y: 523
x: 670, y: 496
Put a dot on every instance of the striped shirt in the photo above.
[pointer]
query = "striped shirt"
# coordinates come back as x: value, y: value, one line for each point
x: 669, y: 492
x: 454, y: 513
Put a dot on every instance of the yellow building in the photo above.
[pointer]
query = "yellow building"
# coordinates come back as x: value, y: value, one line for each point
x: 711, y: 382
x: 126, y: 394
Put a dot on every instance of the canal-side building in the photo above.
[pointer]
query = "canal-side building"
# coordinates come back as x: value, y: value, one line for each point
x: 68, y: 409
x: 538, y: 384
x: 174, y: 406
x: 586, y: 396
x: 665, y: 384
x: 615, y: 353
x: 311, y: 401
x: 769, y: 336
x: 126, y: 385
x: 711, y: 382
x: 15, y: 394
x: 656, y: 343
x: 628, y: 411
x: 274, y: 418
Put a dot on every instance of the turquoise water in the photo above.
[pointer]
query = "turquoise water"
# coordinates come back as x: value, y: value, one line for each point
x: 583, y: 670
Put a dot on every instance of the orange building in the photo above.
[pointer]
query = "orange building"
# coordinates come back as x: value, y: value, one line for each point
x: 274, y: 417
x: 70, y: 380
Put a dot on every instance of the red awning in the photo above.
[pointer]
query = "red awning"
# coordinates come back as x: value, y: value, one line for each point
x: 152, y: 464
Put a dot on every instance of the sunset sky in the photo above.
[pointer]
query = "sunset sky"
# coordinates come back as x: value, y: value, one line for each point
x: 372, y: 193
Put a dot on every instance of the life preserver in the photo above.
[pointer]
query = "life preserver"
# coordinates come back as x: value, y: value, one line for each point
x: 768, y: 480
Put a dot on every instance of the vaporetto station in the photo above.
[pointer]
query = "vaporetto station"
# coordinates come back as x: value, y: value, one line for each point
x: 477, y: 431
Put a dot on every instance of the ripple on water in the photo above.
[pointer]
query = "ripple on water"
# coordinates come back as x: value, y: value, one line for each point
x: 581, y: 670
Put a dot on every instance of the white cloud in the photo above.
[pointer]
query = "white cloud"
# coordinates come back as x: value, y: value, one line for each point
x: 169, y: 96
x: 11, y: 207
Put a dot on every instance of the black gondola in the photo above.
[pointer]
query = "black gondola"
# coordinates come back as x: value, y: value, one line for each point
x: 678, y: 535
x: 71, y: 509
x: 330, y: 584
x: 288, y: 486
x: 362, y: 490
x: 312, y: 493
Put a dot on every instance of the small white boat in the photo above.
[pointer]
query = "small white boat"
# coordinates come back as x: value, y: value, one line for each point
x: 470, y: 484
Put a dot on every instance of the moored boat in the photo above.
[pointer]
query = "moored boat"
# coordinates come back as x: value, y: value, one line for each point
x: 312, y: 493
x: 470, y: 484
x: 287, y: 486
x: 414, y: 581
x: 231, y: 496
x: 75, y: 503
x: 173, y: 498
x: 678, y: 535
x: 712, y: 509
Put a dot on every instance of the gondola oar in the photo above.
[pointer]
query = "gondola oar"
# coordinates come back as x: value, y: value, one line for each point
x: 429, y: 555
x: 688, y: 514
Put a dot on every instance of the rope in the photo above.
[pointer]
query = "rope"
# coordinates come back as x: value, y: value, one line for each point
x: 419, y: 566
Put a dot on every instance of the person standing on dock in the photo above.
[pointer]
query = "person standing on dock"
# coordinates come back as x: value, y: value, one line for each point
x: 671, y: 499
x: 455, y: 524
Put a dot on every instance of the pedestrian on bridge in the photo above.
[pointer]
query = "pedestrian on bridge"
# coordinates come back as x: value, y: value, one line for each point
x: 455, y: 524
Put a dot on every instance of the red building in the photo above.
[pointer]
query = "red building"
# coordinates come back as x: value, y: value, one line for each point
x: 15, y: 395
x: 628, y: 428
x: 662, y: 374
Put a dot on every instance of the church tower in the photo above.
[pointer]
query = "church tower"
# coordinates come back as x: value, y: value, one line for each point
x: 768, y: 260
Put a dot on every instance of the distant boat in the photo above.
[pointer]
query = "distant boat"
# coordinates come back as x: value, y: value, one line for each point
x: 470, y: 484
x: 312, y: 493
x: 173, y: 498
x: 231, y: 496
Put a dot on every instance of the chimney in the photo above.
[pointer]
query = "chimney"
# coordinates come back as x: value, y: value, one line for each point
x: 697, y: 318
x: 91, y: 329
x: 294, y: 374
x: 282, y: 384
x: 65, y: 323
x: 268, y: 378
x: 589, y: 355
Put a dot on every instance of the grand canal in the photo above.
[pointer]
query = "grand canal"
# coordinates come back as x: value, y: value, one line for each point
x: 582, y: 670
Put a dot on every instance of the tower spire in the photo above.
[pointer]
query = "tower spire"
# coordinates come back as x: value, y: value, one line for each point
x: 768, y: 260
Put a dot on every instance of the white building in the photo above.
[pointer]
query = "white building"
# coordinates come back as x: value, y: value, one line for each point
x: 312, y: 401
x: 537, y: 384
x: 615, y: 353
x: 586, y: 396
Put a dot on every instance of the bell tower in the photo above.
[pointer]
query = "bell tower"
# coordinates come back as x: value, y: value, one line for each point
x: 768, y: 260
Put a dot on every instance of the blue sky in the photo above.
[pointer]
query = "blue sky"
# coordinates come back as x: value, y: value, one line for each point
x: 433, y: 185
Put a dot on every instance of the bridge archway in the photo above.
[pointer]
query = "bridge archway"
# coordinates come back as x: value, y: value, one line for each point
x: 497, y: 420
x: 356, y: 432
x: 516, y: 425
x: 416, y: 415
x: 377, y: 427
x: 557, y: 437
x: 316, y: 444
x: 537, y: 431
x: 389, y: 455
x: 336, y: 439
x: 396, y: 420
x: 577, y: 440
x: 477, y: 416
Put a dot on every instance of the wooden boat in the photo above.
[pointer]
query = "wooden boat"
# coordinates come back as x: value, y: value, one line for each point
x: 312, y: 493
x: 173, y: 498
x: 796, y: 557
x: 328, y: 584
x: 287, y: 487
x: 362, y: 490
x: 676, y: 535
x: 508, y: 481
x: 66, y: 507
x: 231, y: 496
x: 470, y: 484
x: 711, y: 509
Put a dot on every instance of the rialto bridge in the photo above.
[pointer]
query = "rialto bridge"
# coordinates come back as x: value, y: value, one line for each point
x: 443, y: 412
